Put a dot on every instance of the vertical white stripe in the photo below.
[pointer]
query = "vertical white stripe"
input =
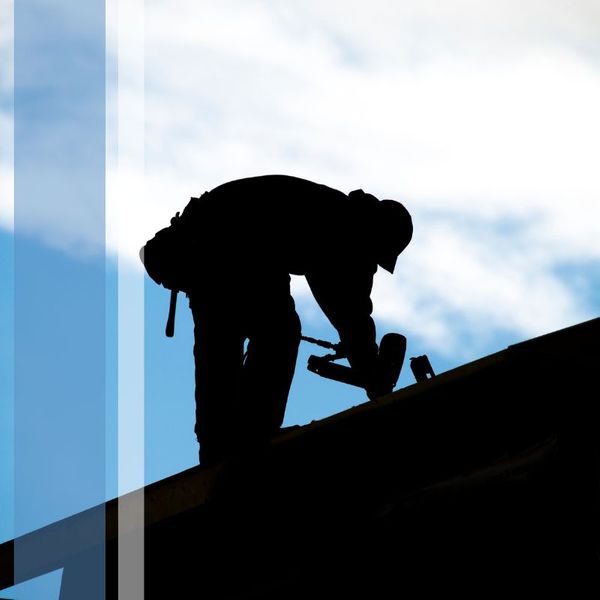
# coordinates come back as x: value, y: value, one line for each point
x: 125, y: 189
x: 7, y: 34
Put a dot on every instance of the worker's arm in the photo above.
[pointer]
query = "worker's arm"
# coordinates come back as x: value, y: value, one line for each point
x: 345, y: 298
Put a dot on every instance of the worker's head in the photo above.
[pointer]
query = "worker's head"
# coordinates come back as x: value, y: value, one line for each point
x: 394, y: 231
x: 390, y: 227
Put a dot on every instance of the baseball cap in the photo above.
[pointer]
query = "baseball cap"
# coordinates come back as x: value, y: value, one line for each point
x: 394, y: 232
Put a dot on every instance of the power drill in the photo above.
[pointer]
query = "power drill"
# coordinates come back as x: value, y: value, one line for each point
x: 390, y: 358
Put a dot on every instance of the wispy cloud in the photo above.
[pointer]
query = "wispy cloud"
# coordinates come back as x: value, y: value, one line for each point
x: 481, y: 117
x: 6, y: 195
x: 468, y: 281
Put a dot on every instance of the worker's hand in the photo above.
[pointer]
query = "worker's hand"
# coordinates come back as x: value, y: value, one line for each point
x: 376, y: 383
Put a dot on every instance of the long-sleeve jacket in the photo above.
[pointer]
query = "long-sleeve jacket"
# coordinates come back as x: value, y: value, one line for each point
x: 277, y: 224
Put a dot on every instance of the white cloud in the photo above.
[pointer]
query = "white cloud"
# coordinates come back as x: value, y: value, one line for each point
x: 411, y: 32
x: 476, y: 115
x: 453, y: 282
x: 6, y: 197
x: 451, y: 129
x: 6, y: 163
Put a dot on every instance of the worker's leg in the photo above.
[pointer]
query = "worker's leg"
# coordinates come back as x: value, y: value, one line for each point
x: 218, y: 354
x: 270, y: 363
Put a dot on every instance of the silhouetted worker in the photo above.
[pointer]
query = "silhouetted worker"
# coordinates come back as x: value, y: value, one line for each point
x: 250, y: 235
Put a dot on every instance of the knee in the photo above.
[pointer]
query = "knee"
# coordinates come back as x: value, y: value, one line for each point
x: 295, y: 328
x: 290, y: 330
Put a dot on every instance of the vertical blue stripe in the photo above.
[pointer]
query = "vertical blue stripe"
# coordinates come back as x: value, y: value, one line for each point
x: 6, y: 387
x: 59, y: 162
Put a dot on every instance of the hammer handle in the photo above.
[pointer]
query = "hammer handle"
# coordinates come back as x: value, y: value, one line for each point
x: 170, y: 328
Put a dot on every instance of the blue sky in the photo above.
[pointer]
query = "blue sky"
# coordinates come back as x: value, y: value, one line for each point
x: 482, y: 119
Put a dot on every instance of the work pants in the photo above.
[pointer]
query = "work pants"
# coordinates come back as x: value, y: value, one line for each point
x: 241, y: 397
